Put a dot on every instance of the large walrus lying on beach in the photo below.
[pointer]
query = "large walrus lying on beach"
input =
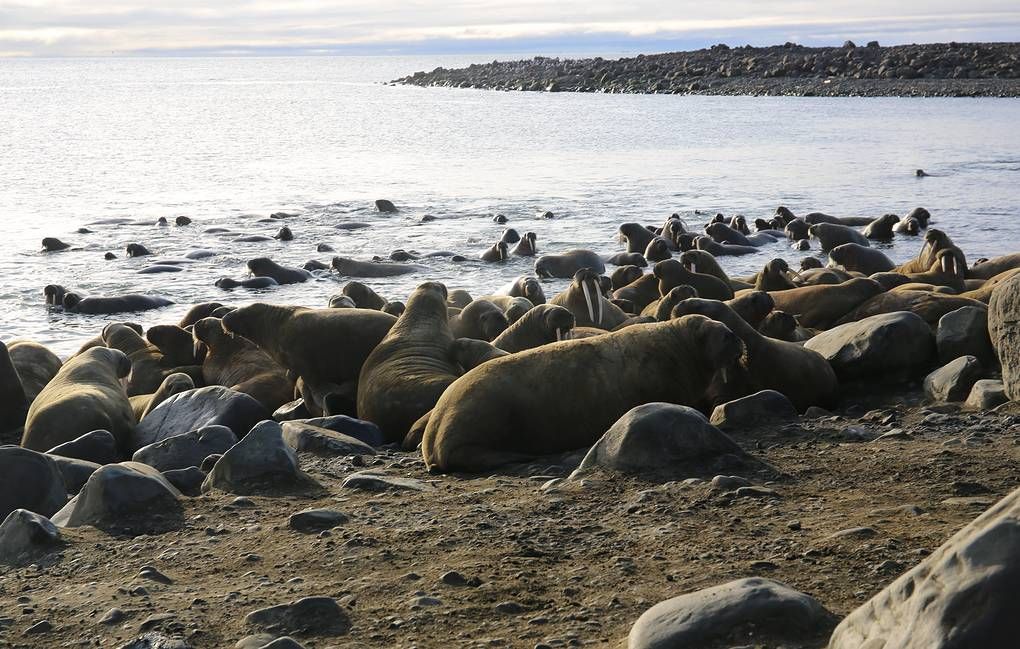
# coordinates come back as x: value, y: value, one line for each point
x: 564, y: 396
x: 85, y: 395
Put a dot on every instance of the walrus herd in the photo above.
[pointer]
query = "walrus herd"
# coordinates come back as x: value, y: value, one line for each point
x: 472, y: 384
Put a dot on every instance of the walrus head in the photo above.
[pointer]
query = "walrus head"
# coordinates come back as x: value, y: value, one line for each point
x: 922, y: 215
x: 262, y: 266
x: 718, y: 218
x: 428, y: 299
x: 207, y: 334
x: 136, y: 250
x: 778, y: 268
x: 670, y: 273
x: 257, y: 322
x: 341, y: 302
x: 722, y: 356
x: 624, y: 275
x: 673, y: 228
x: 364, y: 297
x: 501, y: 249
x: 528, y: 245
x: 71, y: 300
x: 779, y: 325
x: 785, y: 214
x: 197, y: 312
x: 284, y: 234
x: 796, y: 229
x: 657, y: 250
x: 810, y: 262
x: 118, y: 335
x: 182, y: 221
x: 949, y: 262
x: 52, y: 244
x: 909, y: 225
x: 934, y: 240
x: 696, y: 261
x: 116, y: 359
x: 687, y: 241
x: 739, y: 223
x: 762, y: 224
x: 54, y: 294
x: 510, y: 236
x: 588, y: 282
x: 226, y: 283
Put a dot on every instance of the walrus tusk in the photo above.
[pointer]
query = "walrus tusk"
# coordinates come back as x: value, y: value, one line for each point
x: 599, y: 298
x: 559, y: 334
x: 945, y: 264
x: 587, y: 298
x: 724, y: 375
x: 924, y: 248
x: 692, y: 267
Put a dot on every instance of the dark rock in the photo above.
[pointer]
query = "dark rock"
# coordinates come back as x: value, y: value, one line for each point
x: 99, y: 446
x: 886, y: 345
x: 29, y: 480
x: 758, y: 409
x: 259, y: 461
x: 195, y: 409
x: 127, y: 496
x: 761, y: 610
x: 986, y: 394
x: 310, y: 616
x: 953, y: 381
x: 359, y: 429
x: 302, y: 436
x: 188, y: 481
x: 316, y: 520
x: 75, y: 472
x: 24, y: 535
x: 964, y: 332
x: 1004, y: 331
x: 186, y: 450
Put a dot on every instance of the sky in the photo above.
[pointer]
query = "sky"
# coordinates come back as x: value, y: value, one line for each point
x: 321, y: 27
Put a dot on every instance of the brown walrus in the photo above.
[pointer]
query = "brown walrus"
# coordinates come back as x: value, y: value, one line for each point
x: 148, y: 366
x: 934, y: 240
x: 931, y: 306
x: 543, y: 324
x: 585, y: 300
x: 641, y: 292
x: 672, y: 273
x: 481, y: 320
x: 700, y: 261
x: 818, y: 307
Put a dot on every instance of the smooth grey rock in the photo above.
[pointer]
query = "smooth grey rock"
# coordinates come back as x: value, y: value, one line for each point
x: 23, y: 535
x: 129, y: 496
x: 316, y: 520
x: 302, y: 436
x: 154, y: 640
x: 99, y: 446
x: 371, y: 481
x: 885, y: 345
x: 359, y: 429
x: 187, y: 449
x: 310, y: 616
x: 758, y: 409
x: 986, y: 394
x: 773, y: 612
x: 962, y: 595
x: 1004, y: 331
x: 214, y: 405
x: 188, y: 481
x: 29, y: 480
x: 75, y: 472
x: 953, y: 381
x: 260, y: 460
x: 664, y: 438
x: 964, y: 332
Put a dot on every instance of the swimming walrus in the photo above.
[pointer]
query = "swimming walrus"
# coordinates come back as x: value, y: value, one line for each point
x: 830, y: 235
x: 881, y: 229
x: 266, y: 267
x: 527, y: 246
x: 565, y: 264
x: 75, y: 303
x: 353, y: 268
x: 501, y: 411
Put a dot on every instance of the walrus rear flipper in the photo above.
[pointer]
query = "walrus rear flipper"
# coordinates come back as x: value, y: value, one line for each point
x: 413, y: 438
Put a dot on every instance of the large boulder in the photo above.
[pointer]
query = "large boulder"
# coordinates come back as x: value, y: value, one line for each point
x: 986, y: 394
x: 964, y: 332
x: 310, y: 616
x: 890, y: 345
x: 665, y: 438
x: 953, y: 381
x: 99, y: 446
x: 1004, y: 330
x: 302, y: 436
x: 194, y: 409
x: 260, y: 461
x: 29, y: 480
x: 753, y: 611
x: 758, y: 409
x: 962, y: 595
x: 24, y: 535
x: 129, y: 497
x: 188, y: 449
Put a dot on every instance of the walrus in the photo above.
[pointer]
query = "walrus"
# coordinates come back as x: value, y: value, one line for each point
x: 672, y: 273
x: 815, y: 218
x: 699, y: 261
x: 752, y: 306
x: 627, y: 259
x: 159, y: 269
x: 227, y: 283
x: 148, y: 366
x: 85, y: 395
x: 237, y: 363
x: 405, y: 374
x: 584, y: 299
x: 624, y: 275
x: 467, y: 354
x: 635, y: 236
x: 54, y: 294
x: 641, y: 292
x: 265, y: 267
x: 783, y: 326
x: 722, y: 233
x: 52, y: 244
x: 657, y: 250
x: 36, y: 366
x: 797, y: 230
x: 996, y: 266
x: 513, y: 308
x: 775, y: 276
x: 803, y: 375
x: 13, y: 401
x: 857, y: 258
x: 404, y: 255
x: 248, y: 238
x: 526, y: 287
x: 807, y: 263
x: 527, y: 246
x: 395, y: 308
x: 325, y: 347
x: 175, y: 343
x: 984, y: 293
x: 509, y: 236
x: 284, y: 234
x: 881, y: 229
x: 947, y: 269
x: 920, y: 214
x: 341, y: 302
x: 662, y: 309
x: 908, y: 225
x: 739, y: 223
x: 816, y: 276
x: 353, y: 268
x: 182, y: 221
x: 818, y: 307
x: 830, y: 235
x: 566, y: 264
x: 498, y: 252
x: 173, y: 384
x: 313, y: 265
x: 626, y: 306
x: 499, y: 412
x: 543, y: 324
x: 930, y: 305
x: 385, y: 206
x: 74, y: 303
x: 672, y: 230
x: 364, y: 297
x: 324, y: 247
x: 136, y: 250
x: 481, y: 320
x: 197, y: 312
x: 722, y: 249
x: 458, y: 298
x: 934, y: 241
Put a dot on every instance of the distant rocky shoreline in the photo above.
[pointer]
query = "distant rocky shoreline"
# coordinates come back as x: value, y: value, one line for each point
x: 932, y: 70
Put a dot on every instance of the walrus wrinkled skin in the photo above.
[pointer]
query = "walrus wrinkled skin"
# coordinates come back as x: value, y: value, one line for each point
x: 830, y: 235
x: 818, y: 307
x: 74, y: 303
x: 564, y: 265
x: 803, y: 375
x: 495, y: 414
x: 671, y: 273
x: 543, y: 324
x: 266, y: 267
x: 237, y: 363
x: 85, y: 395
x: 584, y: 299
x: 862, y: 259
x: 481, y: 320
x: 404, y: 375
x: 148, y: 365
x: 325, y: 347
x: 36, y: 366
x: 353, y: 268
x: 635, y: 236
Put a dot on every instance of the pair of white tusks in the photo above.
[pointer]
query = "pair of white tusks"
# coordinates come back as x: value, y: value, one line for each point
x: 692, y: 267
x: 561, y: 334
x: 949, y: 265
x: 591, y: 307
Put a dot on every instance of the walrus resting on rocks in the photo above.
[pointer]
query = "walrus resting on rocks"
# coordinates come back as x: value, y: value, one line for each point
x: 818, y: 307
x: 85, y: 395
x: 237, y: 363
x: 501, y: 411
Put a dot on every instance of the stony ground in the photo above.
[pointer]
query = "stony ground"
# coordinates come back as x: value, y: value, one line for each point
x: 560, y: 564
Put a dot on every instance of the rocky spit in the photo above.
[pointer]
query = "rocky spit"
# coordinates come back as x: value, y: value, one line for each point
x: 932, y: 70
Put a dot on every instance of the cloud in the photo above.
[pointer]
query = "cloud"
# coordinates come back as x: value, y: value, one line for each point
x: 126, y: 27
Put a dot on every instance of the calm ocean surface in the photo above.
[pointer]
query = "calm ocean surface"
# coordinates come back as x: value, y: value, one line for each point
x: 229, y: 141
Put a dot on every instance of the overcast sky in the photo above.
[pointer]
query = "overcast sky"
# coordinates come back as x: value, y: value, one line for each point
x: 131, y: 27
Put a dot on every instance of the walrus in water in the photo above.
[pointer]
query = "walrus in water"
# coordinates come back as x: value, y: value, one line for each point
x: 74, y: 303
x: 543, y: 324
x: 527, y: 246
x: 881, y: 229
x: 284, y: 234
x: 226, y: 283
x: 657, y: 250
x: 499, y: 413
x: 136, y: 250
x: 85, y: 395
x: 803, y: 375
x: 797, y: 230
x: 36, y: 366
x: 266, y: 267
x: 52, y: 244
x: 636, y: 236
x: 722, y: 233
x: 481, y: 320
x: 641, y: 292
x: 922, y: 216
x: 402, y: 378
x: 527, y: 287
x: 861, y: 259
x: 624, y: 259
x: 722, y: 249
x: 237, y: 363
x: 363, y: 295
x: 850, y: 221
x: 353, y: 268
x: 584, y: 299
x: 498, y: 252
x: 818, y: 307
x: 148, y: 366
x: 325, y: 347
x: 565, y: 265
x: 510, y: 236
x: 908, y: 225
x: 672, y: 273
x: 830, y: 235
